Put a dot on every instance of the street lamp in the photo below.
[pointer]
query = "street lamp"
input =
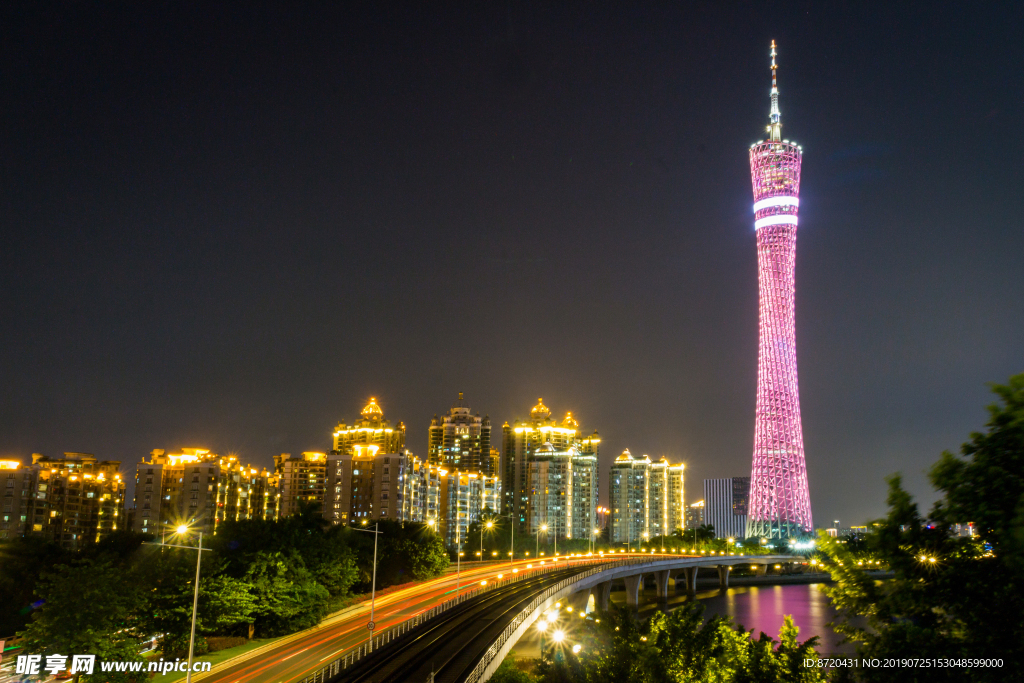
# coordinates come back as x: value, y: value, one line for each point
x: 544, y: 528
x: 489, y: 525
x: 373, y: 583
x: 181, y: 531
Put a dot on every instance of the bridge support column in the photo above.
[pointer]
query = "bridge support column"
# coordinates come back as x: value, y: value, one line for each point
x: 603, y: 596
x: 761, y: 570
x: 689, y: 575
x: 723, y: 576
x: 634, y: 586
x: 578, y: 601
x: 661, y: 583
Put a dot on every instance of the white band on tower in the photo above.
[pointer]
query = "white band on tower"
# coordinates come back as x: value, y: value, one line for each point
x: 776, y: 201
x: 782, y: 219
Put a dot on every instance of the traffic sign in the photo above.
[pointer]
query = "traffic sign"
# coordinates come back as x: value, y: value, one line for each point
x: 369, y: 626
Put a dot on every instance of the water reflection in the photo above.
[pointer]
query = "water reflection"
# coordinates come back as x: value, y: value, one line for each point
x: 763, y: 608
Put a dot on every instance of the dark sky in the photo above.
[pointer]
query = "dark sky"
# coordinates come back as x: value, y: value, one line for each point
x: 227, y: 227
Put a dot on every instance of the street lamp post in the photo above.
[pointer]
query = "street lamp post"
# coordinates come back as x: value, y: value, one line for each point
x: 181, y: 531
x: 373, y: 582
x: 544, y: 528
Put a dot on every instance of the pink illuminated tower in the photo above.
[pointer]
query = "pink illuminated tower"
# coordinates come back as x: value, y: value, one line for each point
x: 780, y: 504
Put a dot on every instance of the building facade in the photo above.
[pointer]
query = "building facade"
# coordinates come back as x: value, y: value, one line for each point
x: 461, y: 440
x: 694, y: 515
x: 563, y: 491
x: 665, y: 501
x: 725, y: 506
x: 200, y: 489
x: 628, y: 491
x: 522, y: 440
x: 462, y: 498
x: 302, y: 482
x: 371, y: 429
x: 73, y: 501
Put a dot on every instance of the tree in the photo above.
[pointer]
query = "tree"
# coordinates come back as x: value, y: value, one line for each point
x: 224, y: 602
x: 23, y: 560
x: 288, y: 599
x: 88, y: 608
x: 951, y: 596
x: 706, y: 532
x: 679, y: 647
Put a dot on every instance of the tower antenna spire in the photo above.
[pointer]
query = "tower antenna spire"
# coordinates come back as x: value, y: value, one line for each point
x: 775, y: 123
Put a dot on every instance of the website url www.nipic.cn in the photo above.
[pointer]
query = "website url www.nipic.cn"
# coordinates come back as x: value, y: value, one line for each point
x: 33, y: 665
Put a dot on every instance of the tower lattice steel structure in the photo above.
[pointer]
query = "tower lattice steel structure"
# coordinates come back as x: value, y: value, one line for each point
x: 780, y: 504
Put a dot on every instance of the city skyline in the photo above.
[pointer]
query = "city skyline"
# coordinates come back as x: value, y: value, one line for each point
x: 227, y: 228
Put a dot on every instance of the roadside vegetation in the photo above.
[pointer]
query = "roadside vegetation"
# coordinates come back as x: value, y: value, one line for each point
x: 260, y: 579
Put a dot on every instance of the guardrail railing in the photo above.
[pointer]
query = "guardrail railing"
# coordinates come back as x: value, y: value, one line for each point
x: 378, y: 641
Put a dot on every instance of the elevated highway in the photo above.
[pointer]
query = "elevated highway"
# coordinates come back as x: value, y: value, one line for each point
x: 466, y: 641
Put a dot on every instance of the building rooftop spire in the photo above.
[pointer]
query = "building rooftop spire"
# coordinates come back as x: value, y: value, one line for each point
x: 775, y: 123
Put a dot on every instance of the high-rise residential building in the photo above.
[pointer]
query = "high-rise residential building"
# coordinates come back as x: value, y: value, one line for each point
x: 522, y: 439
x: 646, y: 498
x: 17, y: 497
x: 665, y: 504
x: 366, y: 484
x: 302, y: 482
x: 694, y: 515
x: 562, y: 494
x: 463, y: 498
x: 201, y: 489
x: 72, y: 501
x: 780, y: 502
x: 628, y: 485
x: 371, y: 429
x: 725, y: 506
x: 461, y: 440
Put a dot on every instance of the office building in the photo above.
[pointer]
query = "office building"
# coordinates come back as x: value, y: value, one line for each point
x: 461, y: 440
x: 725, y: 506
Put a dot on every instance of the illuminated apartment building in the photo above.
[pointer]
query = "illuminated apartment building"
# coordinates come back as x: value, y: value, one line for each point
x: 461, y: 440
x: 370, y: 430
x: 200, y: 489
x: 665, y: 510
x: 522, y: 440
x: 302, y: 482
x: 463, y: 498
x: 367, y: 484
x: 72, y: 501
x: 647, y: 499
x: 17, y: 497
x: 628, y: 486
x: 562, y: 492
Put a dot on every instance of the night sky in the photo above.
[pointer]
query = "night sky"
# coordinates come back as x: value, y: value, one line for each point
x: 228, y: 227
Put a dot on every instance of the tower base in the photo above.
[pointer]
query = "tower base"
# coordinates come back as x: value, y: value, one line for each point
x: 766, y: 528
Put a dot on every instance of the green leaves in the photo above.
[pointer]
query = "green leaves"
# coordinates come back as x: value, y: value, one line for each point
x: 952, y: 596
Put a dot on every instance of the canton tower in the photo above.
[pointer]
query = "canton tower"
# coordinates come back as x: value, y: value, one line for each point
x: 780, y: 504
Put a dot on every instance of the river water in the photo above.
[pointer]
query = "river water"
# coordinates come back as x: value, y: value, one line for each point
x: 763, y: 608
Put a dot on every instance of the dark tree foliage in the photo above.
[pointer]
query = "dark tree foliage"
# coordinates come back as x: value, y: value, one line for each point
x: 89, y: 608
x: 23, y: 561
x: 675, y: 648
x: 952, y: 597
